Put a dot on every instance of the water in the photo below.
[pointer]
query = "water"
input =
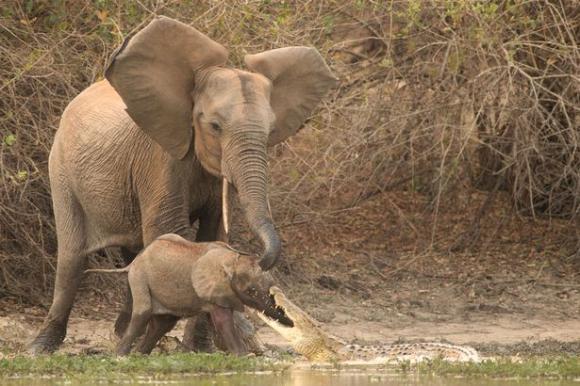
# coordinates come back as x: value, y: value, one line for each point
x: 297, y: 378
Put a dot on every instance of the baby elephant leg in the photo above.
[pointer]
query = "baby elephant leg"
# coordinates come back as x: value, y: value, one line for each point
x: 135, y: 329
x: 141, y: 313
x: 157, y: 328
x: 223, y: 320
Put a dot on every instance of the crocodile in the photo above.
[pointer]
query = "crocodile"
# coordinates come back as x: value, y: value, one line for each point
x: 310, y: 340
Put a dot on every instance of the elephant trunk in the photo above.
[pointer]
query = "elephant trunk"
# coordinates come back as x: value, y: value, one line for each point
x: 247, y: 168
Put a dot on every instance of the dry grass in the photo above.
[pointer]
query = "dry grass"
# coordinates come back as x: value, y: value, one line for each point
x: 435, y: 97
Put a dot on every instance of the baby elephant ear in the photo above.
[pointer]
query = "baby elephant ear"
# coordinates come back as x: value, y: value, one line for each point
x: 300, y: 79
x: 212, y: 277
x: 154, y: 73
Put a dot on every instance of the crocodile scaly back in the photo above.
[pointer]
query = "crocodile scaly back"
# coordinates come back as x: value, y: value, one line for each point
x: 413, y: 352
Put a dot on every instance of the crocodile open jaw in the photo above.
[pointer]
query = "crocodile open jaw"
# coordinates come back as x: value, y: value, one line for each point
x: 305, y: 336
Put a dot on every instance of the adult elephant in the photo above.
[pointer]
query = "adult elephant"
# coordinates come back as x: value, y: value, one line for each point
x: 143, y: 152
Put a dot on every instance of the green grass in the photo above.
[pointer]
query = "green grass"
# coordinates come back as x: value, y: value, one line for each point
x: 108, y: 367
x: 104, y: 366
x: 558, y: 367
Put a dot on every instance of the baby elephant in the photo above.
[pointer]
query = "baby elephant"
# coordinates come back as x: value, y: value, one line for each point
x: 173, y: 278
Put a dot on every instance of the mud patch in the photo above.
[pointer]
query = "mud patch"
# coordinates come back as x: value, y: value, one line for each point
x: 502, y: 337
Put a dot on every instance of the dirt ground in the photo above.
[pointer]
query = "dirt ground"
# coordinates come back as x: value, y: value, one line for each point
x: 504, y: 284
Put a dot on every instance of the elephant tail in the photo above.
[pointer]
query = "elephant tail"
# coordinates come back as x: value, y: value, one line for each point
x: 114, y: 270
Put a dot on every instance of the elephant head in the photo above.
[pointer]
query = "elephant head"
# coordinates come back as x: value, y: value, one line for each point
x: 231, y: 280
x: 172, y: 80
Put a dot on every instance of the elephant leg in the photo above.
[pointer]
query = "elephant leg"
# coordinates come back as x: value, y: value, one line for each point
x: 198, y: 334
x: 157, y: 328
x: 247, y: 331
x: 244, y: 329
x: 125, y: 314
x: 223, y: 320
x: 71, y: 262
x: 209, y: 226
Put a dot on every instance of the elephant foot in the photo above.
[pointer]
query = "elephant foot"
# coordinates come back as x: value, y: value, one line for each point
x: 48, y: 339
x: 121, y: 324
x: 198, y: 334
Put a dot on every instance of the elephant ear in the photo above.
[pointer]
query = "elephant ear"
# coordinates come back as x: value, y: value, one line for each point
x: 154, y: 72
x: 300, y: 78
x: 212, y: 277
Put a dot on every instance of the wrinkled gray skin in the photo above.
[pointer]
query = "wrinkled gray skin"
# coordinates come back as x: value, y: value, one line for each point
x: 142, y: 153
x: 174, y: 278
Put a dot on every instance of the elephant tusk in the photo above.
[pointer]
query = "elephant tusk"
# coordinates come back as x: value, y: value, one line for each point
x: 269, y: 208
x: 225, y: 205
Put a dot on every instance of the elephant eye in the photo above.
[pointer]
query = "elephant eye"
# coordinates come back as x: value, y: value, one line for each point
x: 215, y: 126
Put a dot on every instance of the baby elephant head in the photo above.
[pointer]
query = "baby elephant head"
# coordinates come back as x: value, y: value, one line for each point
x: 229, y: 279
